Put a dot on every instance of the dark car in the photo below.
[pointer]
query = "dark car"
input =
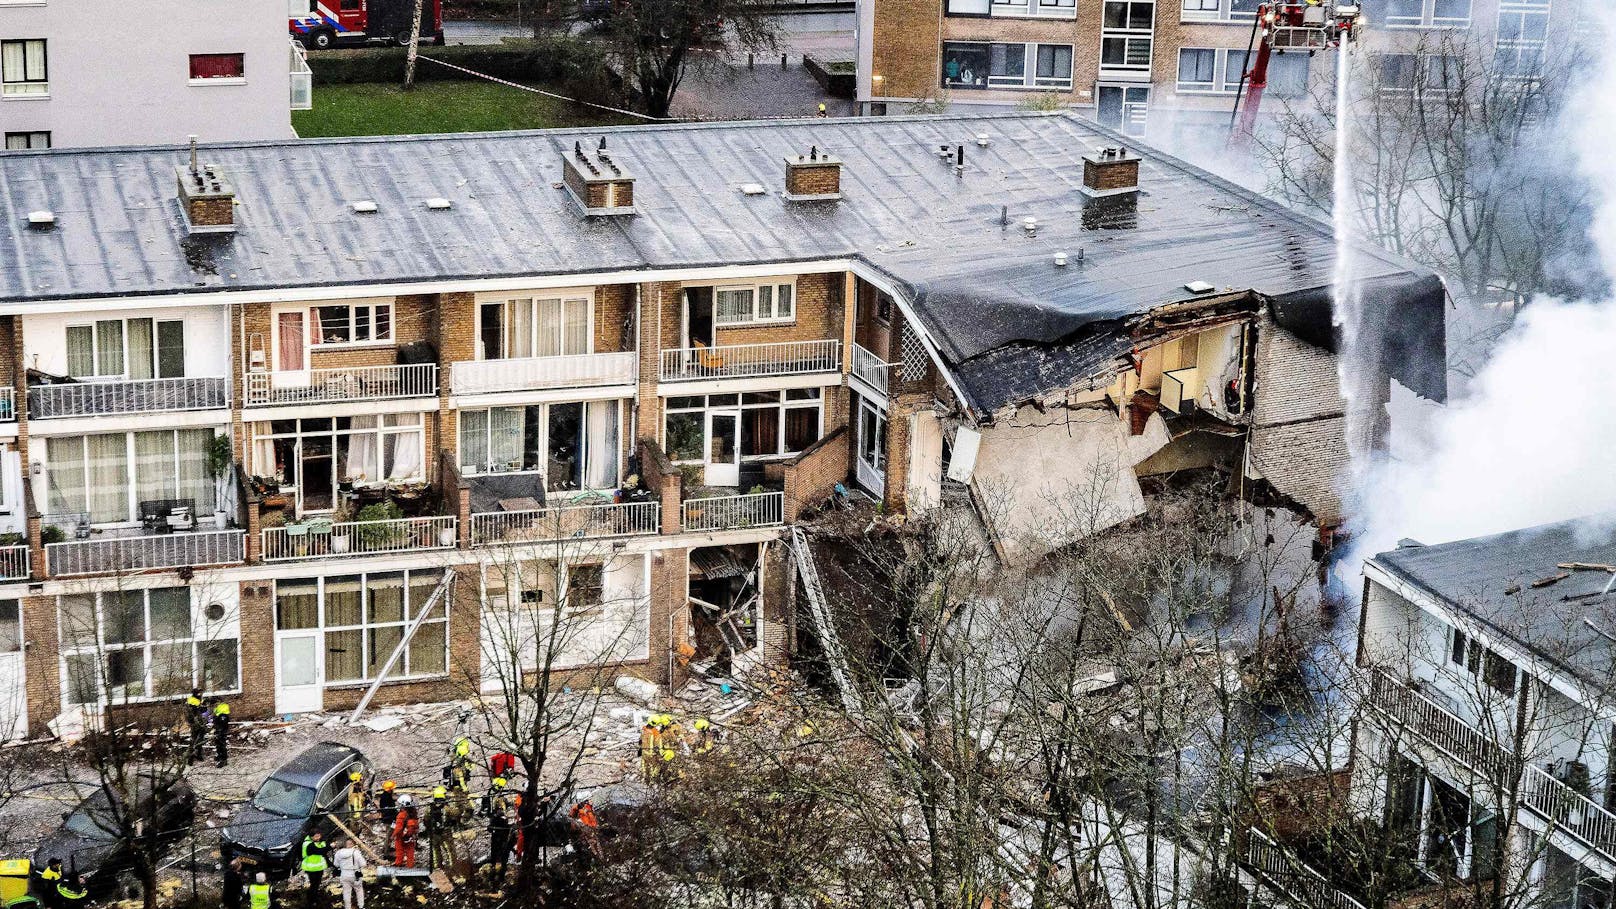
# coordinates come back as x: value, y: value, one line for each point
x: 298, y: 798
x: 88, y: 841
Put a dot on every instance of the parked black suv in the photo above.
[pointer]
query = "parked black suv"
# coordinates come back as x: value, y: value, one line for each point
x: 88, y: 843
x: 297, y: 799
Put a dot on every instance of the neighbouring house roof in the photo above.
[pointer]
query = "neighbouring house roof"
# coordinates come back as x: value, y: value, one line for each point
x: 1568, y: 622
x: 1009, y: 323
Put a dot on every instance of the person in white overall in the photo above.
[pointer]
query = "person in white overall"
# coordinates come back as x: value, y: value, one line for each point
x: 350, y: 864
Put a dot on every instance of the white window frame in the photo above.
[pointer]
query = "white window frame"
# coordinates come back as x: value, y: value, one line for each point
x: 264, y: 441
x: 1028, y: 78
x: 1185, y: 87
x: 1226, y: 73
x: 101, y: 648
x: 1221, y: 11
x: 1521, y: 47
x: 1130, y: 37
x: 400, y: 672
x: 28, y: 138
x: 785, y: 403
x: 97, y: 346
x: 131, y: 466
x: 534, y: 304
x: 774, y: 290
x: 371, y: 309
x: 1428, y: 18
x: 24, y: 87
x: 217, y: 80
x: 487, y: 468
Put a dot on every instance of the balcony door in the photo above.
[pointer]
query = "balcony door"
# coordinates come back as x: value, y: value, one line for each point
x: 698, y: 321
x: 723, y: 461
x: 291, y: 348
x: 297, y: 671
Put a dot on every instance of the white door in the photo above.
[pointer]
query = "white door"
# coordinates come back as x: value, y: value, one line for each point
x: 13, y: 694
x: 297, y: 681
x: 723, y: 448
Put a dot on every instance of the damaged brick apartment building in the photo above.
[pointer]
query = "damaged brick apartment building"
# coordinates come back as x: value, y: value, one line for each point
x: 263, y: 400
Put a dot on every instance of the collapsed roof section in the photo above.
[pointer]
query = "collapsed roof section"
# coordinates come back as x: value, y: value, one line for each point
x: 953, y: 239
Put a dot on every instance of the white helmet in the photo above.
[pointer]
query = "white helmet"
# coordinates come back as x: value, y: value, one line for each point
x: 405, y: 800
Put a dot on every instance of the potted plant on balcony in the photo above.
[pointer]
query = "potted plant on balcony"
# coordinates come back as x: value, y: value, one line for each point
x: 341, y: 529
x: 220, y: 456
x: 375, y: 529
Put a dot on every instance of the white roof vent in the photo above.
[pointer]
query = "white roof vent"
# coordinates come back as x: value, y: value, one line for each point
x: 366, y: 206
x: 1198, y: 287
x: 438, y: 203
x: 44, y: 219
x: 752, y: 189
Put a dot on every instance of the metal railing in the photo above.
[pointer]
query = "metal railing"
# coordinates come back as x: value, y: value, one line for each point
x: 348, y: 383
x: 521, y: 374
x: 302, y: 79
x: 1302, y: 885
x: 14, y: 562
x: 1443, y: 729
x: 87, y: 399
x: 1569, y: 810
x: 8, y: 405
x: 783, y: 358
x: 135, y: 553
x: 565, y: 522
x: 324, y: 539
x: 758, y: 509
x: 870, y: 368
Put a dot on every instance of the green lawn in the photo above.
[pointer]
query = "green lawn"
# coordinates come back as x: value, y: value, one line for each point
x: 436, y: 107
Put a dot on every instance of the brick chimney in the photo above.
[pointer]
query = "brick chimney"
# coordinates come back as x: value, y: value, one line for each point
x: 599, y: 184
x: 1112, y: 171
x: 207, y: 199
x: 813, y: 177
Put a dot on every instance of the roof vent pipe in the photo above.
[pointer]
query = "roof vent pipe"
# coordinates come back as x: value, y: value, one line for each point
x: 193, y: 154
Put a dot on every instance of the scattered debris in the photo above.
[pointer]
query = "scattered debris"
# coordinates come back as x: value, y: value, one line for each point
x: 1550, y: 580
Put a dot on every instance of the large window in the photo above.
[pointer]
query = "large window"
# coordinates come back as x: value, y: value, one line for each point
x: 749, y: 305
x: 22, y: 68
x: 534, y: 327
x: 321, y: 456
x: 24, y: 141
x: 1408, y: 72
x: 126, y: 349
x: 351, y: 323
x: 1217, y: 10
x: 1427, y: 13
x: 967, y: 65
x: 363, y: 618
x: 1020, y: 9
x: 133, y: 644
x: 1523, y: 29
x: 773, y: 423
x: 1127, y: 34
x: 574, y: 444
x: 218, y: 66
x: 1210, y: 70
x: 108, y: 476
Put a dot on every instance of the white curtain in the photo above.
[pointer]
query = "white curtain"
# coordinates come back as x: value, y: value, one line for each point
x: 549, y: 328
x: 361, y: 465
x: 66, y: 478
x: 80, y: 351
x: 505, y: 432
x: 575, y: 327
x: 154, y: 465
x: 519, y: 328
x: 141, y: 349
x: 109, y: 347
x: 601, y: 444
x: 108, y: 457
x: 193, y: 471
x: 404, y: 455
x: 474, y: 440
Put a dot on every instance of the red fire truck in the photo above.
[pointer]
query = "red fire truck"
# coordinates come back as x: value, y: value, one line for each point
x: 334, y: 23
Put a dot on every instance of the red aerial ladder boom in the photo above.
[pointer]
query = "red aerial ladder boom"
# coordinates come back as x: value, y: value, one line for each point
x: 1307, y: 25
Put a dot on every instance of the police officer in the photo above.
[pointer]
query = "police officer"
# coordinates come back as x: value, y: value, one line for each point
x: 259, y: 893
x: 49, y: 877
x: 314, y: 863
x: 196, y: 717
x: 71, y: 892
x: 221, y: 734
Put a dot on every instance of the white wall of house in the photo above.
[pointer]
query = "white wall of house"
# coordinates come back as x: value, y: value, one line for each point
x: 207, y: 338
x: 119, y: 72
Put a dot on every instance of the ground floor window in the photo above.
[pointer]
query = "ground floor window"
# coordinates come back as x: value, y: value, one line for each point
x: 317, y: 456
x: 109, y: 476
x: 134, y: 644
x: 773, y: 423
x: 363, y: 617
x: 574, y: 444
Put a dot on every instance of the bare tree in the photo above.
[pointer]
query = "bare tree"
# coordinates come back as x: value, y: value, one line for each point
x: 656, y: 41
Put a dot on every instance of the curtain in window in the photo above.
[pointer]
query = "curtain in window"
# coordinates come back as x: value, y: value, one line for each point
x: 519, y: 328
x: 734, y: 305
x: 506, y: 429
x: 760, y: 431
x: 426, y: 656
x: 602, y: 444
x: 386, y: 596
x: 109, y: 348
x: 108, y: 459
x: 76, y: 613
x: 142, y: 349
x: 361, y: 463
x: 154, y: 466
x: 403, y: 455
x: 549, y: 328
x: 474, y: 440
x: 343, y: 601
x: 422, y: 585
x: 802, y: 427
x: 12, y: 63
x: 289, y: 331
x: 80, y: 351
x: 383, y: 641
x: 575, y: 328
x: 297, y: 605
x: 66, y: 477
x: 195, y: 476
x: 344, y: 655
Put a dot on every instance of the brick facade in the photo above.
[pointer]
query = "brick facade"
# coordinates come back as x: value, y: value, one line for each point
x: 811, y: 476
x: 1298, y: 434
x: 807, y: 178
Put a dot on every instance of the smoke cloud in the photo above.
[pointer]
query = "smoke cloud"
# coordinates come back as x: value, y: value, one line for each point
x: 1532, y: 439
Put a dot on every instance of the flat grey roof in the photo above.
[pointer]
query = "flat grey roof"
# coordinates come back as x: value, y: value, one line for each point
x: 1566, y: 622
x: 980, y: 288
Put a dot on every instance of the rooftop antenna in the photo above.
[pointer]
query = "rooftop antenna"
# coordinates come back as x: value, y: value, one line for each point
x: 193, y: 154
x: 1004, y: 216
x: 602, y: 143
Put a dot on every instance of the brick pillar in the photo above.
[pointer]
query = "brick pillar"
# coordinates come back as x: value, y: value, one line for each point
x: 43, y: 668
x: 34, y: 526
x: 650, y: 341
x: 465, y: 628
x: 897, y: 473
x: 257, y: 647
x: 669, y: 615
x: 254, y: 521
x: 454, y: 333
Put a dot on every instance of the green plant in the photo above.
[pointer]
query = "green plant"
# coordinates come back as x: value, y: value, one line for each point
x: 374, y: 530
x: 13, y: 539
x: 756, y: 490
x: 1043, y: 101
x: 220, y: 455
x: 51, y: 533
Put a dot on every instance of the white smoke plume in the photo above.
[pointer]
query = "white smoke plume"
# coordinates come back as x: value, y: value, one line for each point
x: 1532, y: 439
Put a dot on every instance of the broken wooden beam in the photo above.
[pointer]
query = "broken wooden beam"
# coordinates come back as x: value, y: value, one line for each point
x: 1551, y: 579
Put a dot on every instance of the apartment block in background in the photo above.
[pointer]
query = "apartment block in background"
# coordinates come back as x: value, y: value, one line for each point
x: 102, y: 72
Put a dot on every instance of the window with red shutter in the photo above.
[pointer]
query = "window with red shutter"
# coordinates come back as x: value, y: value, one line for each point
x: 217, y: 66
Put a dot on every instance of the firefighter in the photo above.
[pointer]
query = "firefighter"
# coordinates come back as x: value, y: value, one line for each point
x: 587, y: 824
x: 406, y: 829
x: 499, y: 833
x: 71, y: 892
x: 438, y: 833
x: 706, y: 736
x: 356, y: 797
x: 387, y: 803
x: 259, y: 894
x: 498, y: 799
x: 822, y: 111
x: 651, y: 745
x: 460, y: 778
x: 314, y: 864
x: 196, y: 718
x: 221, y: 734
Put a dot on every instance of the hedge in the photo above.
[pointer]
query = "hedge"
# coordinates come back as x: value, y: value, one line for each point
x: 558, y: 60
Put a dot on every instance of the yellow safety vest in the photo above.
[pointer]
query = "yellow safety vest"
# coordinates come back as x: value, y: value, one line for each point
x: 221, y: 709
x: 312, y: 861
x: 258, y: 896
x: 46, y: 874
x: 68, y: 893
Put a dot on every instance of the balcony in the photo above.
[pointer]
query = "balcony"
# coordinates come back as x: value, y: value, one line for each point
x: 1569, y: 811
x: 472, y: 377
x: 565, y: 522
x: 321, y: 539
x: 351, y: 383
x: 870, y: 369
x: 14, y: 562
x: 741, y: 361
x: 112, y: 554
x: 302, y: 79
x: 91, y: 399
x: 1298, y: 883
x: 759, y: 509
x: 1442, y: 729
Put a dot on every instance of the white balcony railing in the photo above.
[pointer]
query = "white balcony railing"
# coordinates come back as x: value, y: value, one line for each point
x: 1443, y: 729
x: 350, y: 383
x: 471, y: 377
x: 88, y: 399
x: 870, y: 368
x: 14, y: 562
x: 323, y: 539
x: 1569, y: 811
x: 759, y: 509
x: 567, y: 522
x: 1295, y: 880
x: 8, y: 405
x: 784, y: 358
x: 302, y: 79
x: 166, y: 550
